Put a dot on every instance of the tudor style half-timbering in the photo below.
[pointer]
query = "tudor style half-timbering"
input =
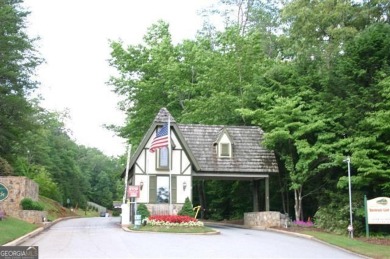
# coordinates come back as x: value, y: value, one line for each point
x: 196, y: 151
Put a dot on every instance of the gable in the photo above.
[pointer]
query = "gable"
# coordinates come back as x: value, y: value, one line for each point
x: 224, y: 144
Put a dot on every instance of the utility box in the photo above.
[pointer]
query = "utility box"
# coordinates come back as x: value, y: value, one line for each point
x: 137, y: 221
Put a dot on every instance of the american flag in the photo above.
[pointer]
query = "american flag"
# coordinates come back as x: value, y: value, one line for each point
x: 161, y: 139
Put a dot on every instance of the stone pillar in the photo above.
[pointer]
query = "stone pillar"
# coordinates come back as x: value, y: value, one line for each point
x: 125, y: 214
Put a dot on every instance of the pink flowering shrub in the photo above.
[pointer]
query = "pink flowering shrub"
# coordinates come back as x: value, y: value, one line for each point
x: 301, y: 223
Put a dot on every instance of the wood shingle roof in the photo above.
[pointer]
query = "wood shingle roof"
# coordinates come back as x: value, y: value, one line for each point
x: 248, y: 154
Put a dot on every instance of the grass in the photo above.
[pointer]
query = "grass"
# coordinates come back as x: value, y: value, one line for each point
x: 165, y: 229
x: 354, y: 245
x: 12, y: 228
x: 54, y: 209
x: 86, y: 213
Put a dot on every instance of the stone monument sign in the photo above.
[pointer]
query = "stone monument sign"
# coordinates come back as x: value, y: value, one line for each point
x: 13, y: 189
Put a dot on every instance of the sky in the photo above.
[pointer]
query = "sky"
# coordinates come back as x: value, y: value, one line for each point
x: 74, y: 41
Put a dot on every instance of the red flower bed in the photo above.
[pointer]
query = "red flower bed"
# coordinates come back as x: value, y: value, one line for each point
x: 172, y: 218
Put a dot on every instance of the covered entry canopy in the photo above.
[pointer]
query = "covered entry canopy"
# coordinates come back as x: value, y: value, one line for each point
x: 248, y: 159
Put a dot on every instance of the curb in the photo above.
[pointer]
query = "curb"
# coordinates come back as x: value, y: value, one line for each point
x: 35, y: 232
x: 286, y: 233
x: 126, y: 228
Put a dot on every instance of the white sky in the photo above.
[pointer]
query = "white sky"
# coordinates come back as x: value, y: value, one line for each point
x: 74, y: 42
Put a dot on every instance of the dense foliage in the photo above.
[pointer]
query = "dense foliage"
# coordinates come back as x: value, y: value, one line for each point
x: 314, y: 75
x: 33, y: 141
x: 143, y: 211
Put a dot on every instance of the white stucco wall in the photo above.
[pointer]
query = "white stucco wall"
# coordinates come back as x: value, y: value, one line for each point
x: 180, y: 167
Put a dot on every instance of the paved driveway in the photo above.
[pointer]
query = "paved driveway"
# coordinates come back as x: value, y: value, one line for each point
x: 104, y: 238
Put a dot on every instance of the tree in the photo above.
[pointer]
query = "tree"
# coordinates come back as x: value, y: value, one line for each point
x: 315, y: 81
x: 364, y: 72
x: 5, y: 168
x: 147, y: 76
x: 187, y: 209
x: 18, y: 62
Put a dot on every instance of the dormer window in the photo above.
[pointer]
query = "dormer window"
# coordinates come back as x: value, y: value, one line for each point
x: 224, y: 144
x: 224, y: 150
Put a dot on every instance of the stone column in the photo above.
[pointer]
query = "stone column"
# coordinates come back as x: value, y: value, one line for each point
x: 266, y: 193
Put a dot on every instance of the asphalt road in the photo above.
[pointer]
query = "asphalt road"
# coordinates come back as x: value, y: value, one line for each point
x: 104, y: 238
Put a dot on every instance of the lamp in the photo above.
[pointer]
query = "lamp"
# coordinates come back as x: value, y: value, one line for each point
x: 141, y: 185
x: 184, y: 186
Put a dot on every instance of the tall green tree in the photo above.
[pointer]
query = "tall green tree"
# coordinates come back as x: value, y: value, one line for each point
x: 147, y: 76
x: 18, y: 60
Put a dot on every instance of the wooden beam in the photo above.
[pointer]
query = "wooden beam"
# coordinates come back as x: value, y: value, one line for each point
x: 255, y: 192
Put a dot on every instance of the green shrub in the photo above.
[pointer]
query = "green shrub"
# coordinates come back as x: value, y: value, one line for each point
x: 29, y: 204
x: 334, y: 216
x: 187, y: 209
x: 143, y: 211
x: 116, y: 213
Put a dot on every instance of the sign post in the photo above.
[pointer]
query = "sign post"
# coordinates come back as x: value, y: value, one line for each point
x: 133, y: 192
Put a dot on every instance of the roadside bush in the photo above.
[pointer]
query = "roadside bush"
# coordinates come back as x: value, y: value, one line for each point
x: 116, y: 213
x: 143, y: 211
x: 187, y: 209
x: 29, y: 204
x: 334, y: 216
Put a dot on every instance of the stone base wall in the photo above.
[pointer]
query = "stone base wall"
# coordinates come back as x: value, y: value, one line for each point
x: 19, y: 187
x: 33, y: 216
x: 265, y: 219
x: 163, y: 209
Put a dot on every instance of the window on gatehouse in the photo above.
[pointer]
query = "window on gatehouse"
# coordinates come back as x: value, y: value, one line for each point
x: 225, y: 150
x: 162, y: 189
x: 163, y: 158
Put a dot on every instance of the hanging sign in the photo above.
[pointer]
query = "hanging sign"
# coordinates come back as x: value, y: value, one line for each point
x: 133, y: 191
x: 378, y: 210
x: 3, y: 192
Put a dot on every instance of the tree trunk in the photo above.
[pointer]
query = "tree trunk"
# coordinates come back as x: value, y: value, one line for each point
x: 298, y: 203
x: 282, y: 193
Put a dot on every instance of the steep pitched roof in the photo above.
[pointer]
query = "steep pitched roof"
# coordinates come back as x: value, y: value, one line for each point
x: 162, y: 116
x: 248, y: 154
x: 198, y: 141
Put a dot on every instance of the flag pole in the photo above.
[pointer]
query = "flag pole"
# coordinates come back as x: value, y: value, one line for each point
x: 125, y: 221
x: 169, y: 165
x: 127, y: 173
